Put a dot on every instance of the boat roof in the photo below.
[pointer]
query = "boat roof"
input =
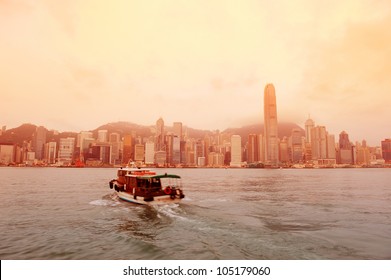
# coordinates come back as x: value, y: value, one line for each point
x: 148, y: 176
x: 134, y: 169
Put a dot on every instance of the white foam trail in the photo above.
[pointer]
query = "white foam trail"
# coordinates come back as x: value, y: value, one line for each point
x: 102, y: 202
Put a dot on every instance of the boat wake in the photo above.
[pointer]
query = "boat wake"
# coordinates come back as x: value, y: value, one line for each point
x: 171, y: 210
x: 107, y: 200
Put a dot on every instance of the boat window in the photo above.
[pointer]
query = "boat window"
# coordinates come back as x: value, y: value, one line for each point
x: 142, y: 183
x: 155, y: 182
x: 132, y: 182
x: 172, y: 182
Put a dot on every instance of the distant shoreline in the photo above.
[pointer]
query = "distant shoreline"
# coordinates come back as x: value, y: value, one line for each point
x: 203, y: 167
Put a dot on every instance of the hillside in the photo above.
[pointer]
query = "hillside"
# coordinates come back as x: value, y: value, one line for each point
x: 25, y: 132
x: 284, y: 129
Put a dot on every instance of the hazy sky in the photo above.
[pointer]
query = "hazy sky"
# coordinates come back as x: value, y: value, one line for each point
x: 74, y: 65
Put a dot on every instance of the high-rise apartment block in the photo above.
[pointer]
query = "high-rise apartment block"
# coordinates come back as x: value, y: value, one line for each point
x: 322, y: 146
x: 149, y: 153
x: 128, y: 151
x: 178, y: 130
x: 50, y: 152
x: 236, y: 151
x: 296, y: 145
x: 345, y: 150
x: 66, y: 151
x: 386, y: 150
x: 102, y: 135
x: 139, y: 153
x: 253, y: 148
x: 7, y: 154
x: 39, y: 142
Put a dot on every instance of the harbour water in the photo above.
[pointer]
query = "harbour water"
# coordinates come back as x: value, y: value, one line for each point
x: 70, y: 213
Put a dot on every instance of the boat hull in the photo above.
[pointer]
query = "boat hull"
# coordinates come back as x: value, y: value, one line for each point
x: 164, y: 199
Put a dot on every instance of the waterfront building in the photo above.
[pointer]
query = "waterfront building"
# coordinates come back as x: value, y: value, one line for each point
x: 115, y: 142
x: 309, y: 125
x: 319, y: 143
x: 149, y: 152
x: 322, y: 146
x: 30, y: 158
x: 236, y: 151
x: 386, y: 150
x: 215, y: 159
x: 253, y: 148
x: 169, y: 139
x: 84, y: 140
x: 296, y: 146
x: 176, y: 150
x: 345, y: 149
x: 261, y: 146
x: 177, y: 127
x: 183, y: 151
x: 99, y: 154
x: 270, y: 125
x: 7, y: 154
x: 161, y: 158
x: 80, y: 140
x: 199, y: 150
x: 102, y: 135
x: 201, y: 161
x: 127, y: 149
x: 39, y: 142
x: 331, y: 152
x: 159, y: 136
x: 363, y: 153
x: 50, y: 152
x: 284, y: 151
x: 139, y: 153
x: 66, y: 150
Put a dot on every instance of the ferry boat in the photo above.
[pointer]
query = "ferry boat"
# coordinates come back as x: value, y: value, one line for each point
x: 143, y: 186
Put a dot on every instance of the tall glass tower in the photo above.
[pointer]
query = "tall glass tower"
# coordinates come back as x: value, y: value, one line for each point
x: 270, y: 125
x: 159, y: 135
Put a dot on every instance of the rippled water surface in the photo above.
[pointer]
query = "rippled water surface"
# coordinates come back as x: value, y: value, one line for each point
x: 65, y: 213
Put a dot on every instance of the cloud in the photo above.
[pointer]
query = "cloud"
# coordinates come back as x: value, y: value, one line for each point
x: 348, y: 79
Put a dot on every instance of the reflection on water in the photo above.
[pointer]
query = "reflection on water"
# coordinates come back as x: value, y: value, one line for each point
x: 145, y: 224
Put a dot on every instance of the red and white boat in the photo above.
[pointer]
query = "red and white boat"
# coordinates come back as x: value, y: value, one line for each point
x: 143, y: 186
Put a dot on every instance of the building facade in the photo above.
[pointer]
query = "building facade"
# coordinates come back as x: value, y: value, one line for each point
x: 236, y: 151
x: 270, y: 125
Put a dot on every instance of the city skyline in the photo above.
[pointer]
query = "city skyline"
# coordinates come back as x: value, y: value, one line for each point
x: 66, y: 68
x: 176, y: 148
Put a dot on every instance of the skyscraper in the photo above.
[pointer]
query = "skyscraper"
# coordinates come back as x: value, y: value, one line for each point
x: 236, y: 151
x: 309, y: 124
x: 178, y: 129
x: 102, y: 135
x: 39, y: 142
x: 386, y: 150
x: 159, y: 135
x: 345, y: 149
x: 253, y: 148
x: 270, y: 125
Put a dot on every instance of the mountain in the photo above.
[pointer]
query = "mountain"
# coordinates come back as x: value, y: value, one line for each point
x: 124, y: 128
x: 25, y: 132
x: 19, y: 134
x: 284, y: 129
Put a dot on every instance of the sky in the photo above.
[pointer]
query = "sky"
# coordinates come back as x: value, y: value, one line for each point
x: 75, y: 65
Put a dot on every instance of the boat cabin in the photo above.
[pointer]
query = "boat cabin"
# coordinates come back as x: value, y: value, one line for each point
x: 123, y: 172
x: 152, y: 185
